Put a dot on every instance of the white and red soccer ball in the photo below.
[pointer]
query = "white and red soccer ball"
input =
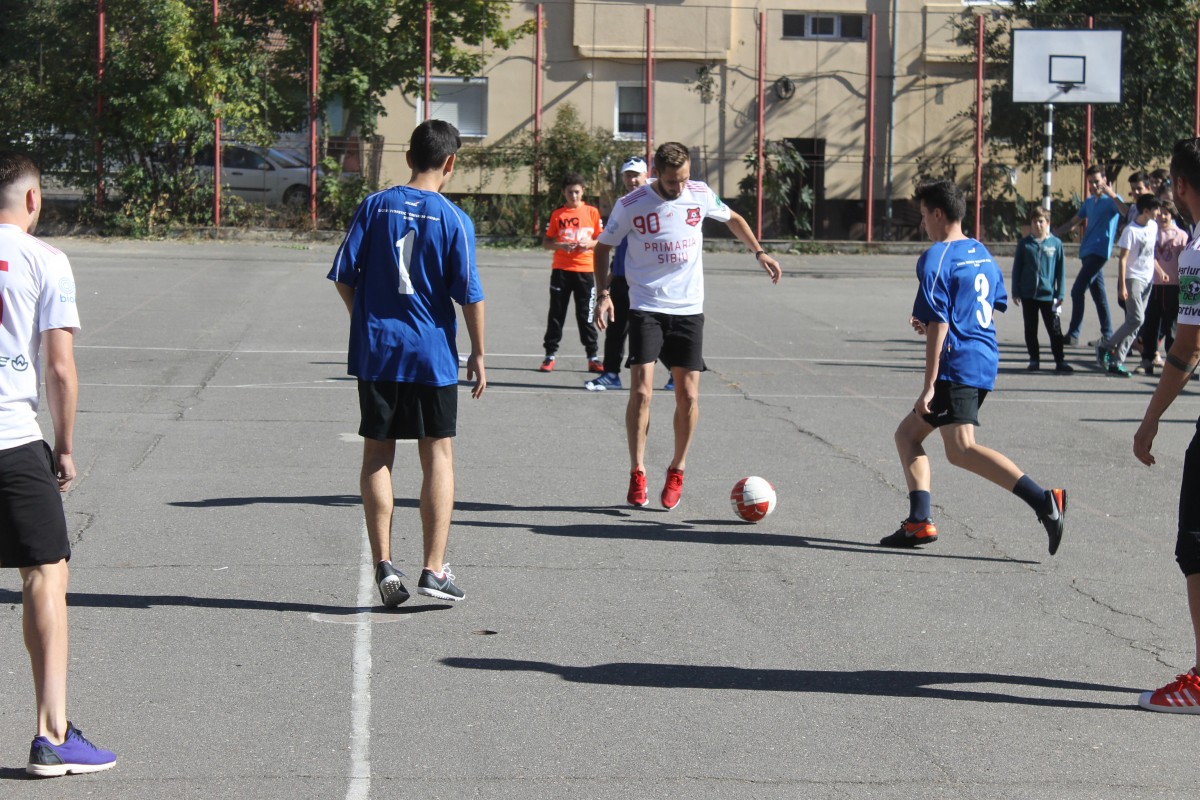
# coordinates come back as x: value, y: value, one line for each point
x: 752, y: 498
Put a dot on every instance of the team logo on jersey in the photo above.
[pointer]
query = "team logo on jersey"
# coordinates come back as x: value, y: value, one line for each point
x: 66, y: 291
x: 19, y: 363
x: 693, y: 217
x: 1189, y: 289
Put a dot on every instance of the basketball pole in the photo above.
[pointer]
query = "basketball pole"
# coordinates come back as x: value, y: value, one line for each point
x: 1048, y: 155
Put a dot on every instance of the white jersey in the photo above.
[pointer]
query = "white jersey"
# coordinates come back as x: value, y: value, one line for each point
x: 663, y: 262
x: 37, y: 293
x: 1139, y: 240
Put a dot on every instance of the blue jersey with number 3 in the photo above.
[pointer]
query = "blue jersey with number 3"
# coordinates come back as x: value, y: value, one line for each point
x: 410, y: 255
x: 961, y: 285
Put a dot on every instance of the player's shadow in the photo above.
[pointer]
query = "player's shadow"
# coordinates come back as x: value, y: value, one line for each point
x: 930, y: 685
x: 143, y: 602
x: 651, y: 530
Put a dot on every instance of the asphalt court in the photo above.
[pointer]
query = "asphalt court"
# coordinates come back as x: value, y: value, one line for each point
x: 225, y: 641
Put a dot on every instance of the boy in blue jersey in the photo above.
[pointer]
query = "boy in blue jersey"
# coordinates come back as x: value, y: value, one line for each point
x: 408, y: 256
x: 961, y: 287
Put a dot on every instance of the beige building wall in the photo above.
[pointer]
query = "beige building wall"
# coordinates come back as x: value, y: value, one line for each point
x: 590, y: 48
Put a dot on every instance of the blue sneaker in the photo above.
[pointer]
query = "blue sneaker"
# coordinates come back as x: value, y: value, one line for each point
x: 609, y: 380
x: 670, y: 385
x: 75, y: 756
x: 443, y: 588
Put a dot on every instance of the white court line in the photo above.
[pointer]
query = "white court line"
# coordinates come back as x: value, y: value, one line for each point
x: 360, y: 694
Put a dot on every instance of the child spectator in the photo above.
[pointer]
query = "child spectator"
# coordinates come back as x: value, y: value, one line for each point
x: 1162, y: 310
x: 571, y: 234
x: 1135, y: 276
x: 1038, y: 279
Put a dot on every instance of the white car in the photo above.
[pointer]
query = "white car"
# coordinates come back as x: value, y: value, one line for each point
x: 258, y: 174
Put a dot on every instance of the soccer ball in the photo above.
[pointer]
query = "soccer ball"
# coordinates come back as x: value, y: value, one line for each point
x: 752, y: 498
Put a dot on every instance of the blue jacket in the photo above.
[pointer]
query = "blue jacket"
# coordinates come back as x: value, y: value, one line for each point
x: 1039, y: 271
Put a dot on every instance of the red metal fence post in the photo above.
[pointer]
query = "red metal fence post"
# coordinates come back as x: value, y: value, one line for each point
x: 978, y: 232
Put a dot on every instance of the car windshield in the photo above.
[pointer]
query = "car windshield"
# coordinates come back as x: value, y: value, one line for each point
x: 286, y: 160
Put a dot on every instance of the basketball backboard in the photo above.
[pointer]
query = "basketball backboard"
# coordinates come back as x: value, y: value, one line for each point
x: 1066, y: 66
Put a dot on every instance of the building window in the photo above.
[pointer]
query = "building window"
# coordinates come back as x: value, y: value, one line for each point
x: 824, y: 26
x: 631, y: 112
x: 461, y: 102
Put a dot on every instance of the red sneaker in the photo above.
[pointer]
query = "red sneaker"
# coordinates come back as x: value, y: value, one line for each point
x: 547, y: 365
x: 637, y: 489
x: 595, y: 365
x: 1180, y: 696
x: 672, y: 491
x: 911, y: 534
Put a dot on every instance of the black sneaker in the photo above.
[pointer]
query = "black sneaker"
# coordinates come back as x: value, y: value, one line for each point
x: 1064, y: 368
x: 75, y: 756
x: 911, y: 534
x: 1054, y: 527
x: 442, y: 588
x: 391, y: 588
x: 1034, y: 365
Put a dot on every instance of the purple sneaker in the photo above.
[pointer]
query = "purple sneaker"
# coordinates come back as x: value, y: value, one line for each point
x: 74, y: 756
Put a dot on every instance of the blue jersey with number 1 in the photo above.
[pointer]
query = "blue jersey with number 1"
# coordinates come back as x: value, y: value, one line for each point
x: 961, y: 285
x: 410, y: 255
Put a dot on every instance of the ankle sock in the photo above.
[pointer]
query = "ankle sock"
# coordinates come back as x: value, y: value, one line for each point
x: 918, y: 506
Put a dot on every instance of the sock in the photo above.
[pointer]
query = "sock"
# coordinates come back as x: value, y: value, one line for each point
x: 1035, y: 497
x: 918, y: 506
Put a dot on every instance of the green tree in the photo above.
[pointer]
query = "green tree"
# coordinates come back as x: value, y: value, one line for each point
x: 1158, y: 64
x: 787, y: 201
x: 169, y: 72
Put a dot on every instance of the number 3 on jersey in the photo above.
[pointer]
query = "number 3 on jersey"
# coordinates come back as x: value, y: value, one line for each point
x: 405, y: 246
x: 984, y: 312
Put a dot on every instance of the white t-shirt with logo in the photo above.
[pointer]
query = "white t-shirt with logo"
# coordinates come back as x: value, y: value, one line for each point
x: 1140, y: 241
x: 663, y: 262
x: 37, y: 293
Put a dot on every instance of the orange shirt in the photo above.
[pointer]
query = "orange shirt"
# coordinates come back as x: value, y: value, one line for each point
x: 569, y: 225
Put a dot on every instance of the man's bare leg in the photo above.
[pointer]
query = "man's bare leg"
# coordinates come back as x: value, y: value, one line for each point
x: 963, y: 451
x: 637, y: 413
x: 375, y: 483
x: 437, y: 498
x: 910, y: 435
x: 44, y: 600
x: 687, y: 412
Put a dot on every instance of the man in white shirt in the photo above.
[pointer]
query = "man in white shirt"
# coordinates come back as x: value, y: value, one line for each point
x: 1135, y: 279
x: 37, y: 306
x: 661, y: 223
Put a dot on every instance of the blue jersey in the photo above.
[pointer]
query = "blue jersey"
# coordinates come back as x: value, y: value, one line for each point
x: 410, y: 255
x: 961, y: 285
x: 1102, y: 216
x: 618, y: 259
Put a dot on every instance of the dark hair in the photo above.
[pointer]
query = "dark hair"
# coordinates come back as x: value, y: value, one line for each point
x: 1141, y: 176
x: 1185, y: 162
x: 1037, y: 212
x: 573, y: 179
x: 944, y: 195
x: 431, y: 143
x: 1095, y: 169
x: 1148, y: 202
x: 15, y: 167
x: 672, y: 155
x: 1160, y: 175
x: 1169, y: 208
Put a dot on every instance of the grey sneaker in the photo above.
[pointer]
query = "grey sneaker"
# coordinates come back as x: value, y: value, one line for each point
x: 391, y: 588
x: 442, y: 588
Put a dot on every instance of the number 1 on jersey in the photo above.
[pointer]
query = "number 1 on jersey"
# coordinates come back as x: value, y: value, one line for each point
x: 405, y: 247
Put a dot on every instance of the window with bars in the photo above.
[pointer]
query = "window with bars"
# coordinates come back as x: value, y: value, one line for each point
x: 818, y: 25
x: 461, y: 102
x: 630, y: 120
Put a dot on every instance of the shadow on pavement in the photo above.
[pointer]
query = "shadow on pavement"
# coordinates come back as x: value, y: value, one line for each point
x: 874, y: 683
x: 146, y: 601
x: 656, y: 531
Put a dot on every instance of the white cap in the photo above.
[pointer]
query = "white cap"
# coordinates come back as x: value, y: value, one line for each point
x: 636, y: 164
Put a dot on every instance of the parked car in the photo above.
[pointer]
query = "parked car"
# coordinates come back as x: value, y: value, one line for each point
x: 258, y: 174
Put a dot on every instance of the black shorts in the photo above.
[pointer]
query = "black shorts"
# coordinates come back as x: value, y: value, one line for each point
x: 675, y: 339
x: 391, y: 410
x: 33, y: 527
x: 954, y: 403
x: 1187, y: 540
